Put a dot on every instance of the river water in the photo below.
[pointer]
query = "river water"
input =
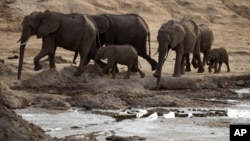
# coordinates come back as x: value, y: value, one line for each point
x: 196, y: 123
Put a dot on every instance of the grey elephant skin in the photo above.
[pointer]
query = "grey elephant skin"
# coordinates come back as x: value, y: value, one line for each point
x: 74, y: 32
x: 121, y: 54
x: 206, y: 41
x: 216, y: 57
x: 183, y: 37
x: 125, y: 29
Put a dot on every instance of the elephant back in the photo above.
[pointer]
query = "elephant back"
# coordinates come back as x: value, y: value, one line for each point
x: 207, y: 36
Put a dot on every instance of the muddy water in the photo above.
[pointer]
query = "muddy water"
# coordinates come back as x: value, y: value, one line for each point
x: 196, y: 124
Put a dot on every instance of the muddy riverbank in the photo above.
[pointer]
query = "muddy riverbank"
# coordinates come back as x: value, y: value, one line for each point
x: 161, y: 124
x: 51, y: 90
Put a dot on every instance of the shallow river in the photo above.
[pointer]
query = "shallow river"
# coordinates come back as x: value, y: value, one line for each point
x: 193, y: 123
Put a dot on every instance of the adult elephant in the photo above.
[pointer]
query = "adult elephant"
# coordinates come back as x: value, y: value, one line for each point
x: 74, y: 32
x: 125, y: 29
x: 183, y: 37
x: 206, y: 41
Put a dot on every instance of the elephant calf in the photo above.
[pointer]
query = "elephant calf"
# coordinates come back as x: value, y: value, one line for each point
x: 122, y: 54
x: 215, y: 56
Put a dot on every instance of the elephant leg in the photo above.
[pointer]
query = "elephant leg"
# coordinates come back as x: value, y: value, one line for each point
x: 87, y: 61
x: 92, y: 56
x: 106, y: 69
x: 75, y: 56
x: 40, y: 55
x: 109, y: 65
x: 188, y: 67
x: 48, y: 48
x: 116, y: 70
x: 210, y: 67
x: 52, y: 58
x: 83, y: 51
x: 177, y: 66
x: 228, y: 68
x: 127, y: 76
x: 138, y: 69
x: 200, y: 66
x: 151, y: 61
x: 101, y: 64
x: 204, y: 59
x: 113, y: 71
x: 80, y: 69
x: 194, y: 62
x: 52, y: 61
x: 215, y: 67
x: 220, y: 63
x: 183, y: 64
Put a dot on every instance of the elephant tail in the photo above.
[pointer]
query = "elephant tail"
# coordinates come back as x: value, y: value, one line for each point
x: 149, y: 48
x: 148, y: 33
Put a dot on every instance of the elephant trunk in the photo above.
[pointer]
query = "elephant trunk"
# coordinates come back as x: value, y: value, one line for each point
x: 161, y: 59
x: 23, y: 41
x: 207, y: 62
x: 20, y: 64
x: 95, y: 62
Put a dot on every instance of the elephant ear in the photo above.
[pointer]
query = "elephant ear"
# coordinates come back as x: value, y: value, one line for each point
x: 102, y: 23
x: 48, y: 24
x: 178, y: 35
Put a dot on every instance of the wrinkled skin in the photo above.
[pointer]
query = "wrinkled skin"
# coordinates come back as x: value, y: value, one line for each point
x: 115, y: 54
x: 182, y: 37
x: 206, y: 42
x: 216, y: 57
x: 125, y: 29
x: 74, y: 32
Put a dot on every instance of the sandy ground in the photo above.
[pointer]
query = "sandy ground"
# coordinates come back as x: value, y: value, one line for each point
x: 58, y: 89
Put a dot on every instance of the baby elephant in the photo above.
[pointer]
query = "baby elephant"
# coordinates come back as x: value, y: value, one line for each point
x: 121, y: 54
x: 215, y: 56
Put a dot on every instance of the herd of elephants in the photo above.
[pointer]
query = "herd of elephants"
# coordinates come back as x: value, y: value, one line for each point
x: 125, y: 37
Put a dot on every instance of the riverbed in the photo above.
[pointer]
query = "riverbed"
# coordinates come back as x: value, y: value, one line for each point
x: 156, y: 123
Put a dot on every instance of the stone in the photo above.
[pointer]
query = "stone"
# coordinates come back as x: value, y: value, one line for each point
x: 240, y: 83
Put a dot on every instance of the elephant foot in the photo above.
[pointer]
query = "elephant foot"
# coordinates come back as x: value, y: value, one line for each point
x: 153, y: 68
x: 126, y: 77
x: 155, y: 75
x: 195, y: 66
x: 116, y: 70
x: 52, y: 69
x: 78, y: 73
x: 183, y: 72
x: 176, y: 75
x: 158, y: 86
x: 200, y: 70
x: 188, y: 70
x: 142, y: 75
x: 38, y: 67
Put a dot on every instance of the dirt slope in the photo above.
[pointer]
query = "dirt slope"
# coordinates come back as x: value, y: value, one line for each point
x: 228, y: 19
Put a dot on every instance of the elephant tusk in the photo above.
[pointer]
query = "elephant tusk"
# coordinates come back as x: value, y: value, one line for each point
x: 23, y: 43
